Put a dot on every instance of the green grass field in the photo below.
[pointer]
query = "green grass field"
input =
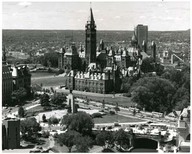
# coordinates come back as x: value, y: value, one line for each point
x: 48, y: 81
x: 115, y: 118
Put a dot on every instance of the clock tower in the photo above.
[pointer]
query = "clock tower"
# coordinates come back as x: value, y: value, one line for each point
x: 90, y: 40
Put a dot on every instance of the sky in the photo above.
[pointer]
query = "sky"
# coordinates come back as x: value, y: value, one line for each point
x: 161, y: 15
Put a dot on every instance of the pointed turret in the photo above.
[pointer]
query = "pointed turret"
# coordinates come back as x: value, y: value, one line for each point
x: 153, y: 50
x: 91, y: 18
x: 101, y: 45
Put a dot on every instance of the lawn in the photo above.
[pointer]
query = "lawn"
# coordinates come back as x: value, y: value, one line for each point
x: 48, y: 81
x: 122, y: 101
x: 41, y: 74
x: 114, y: 118
x: 34, y: 111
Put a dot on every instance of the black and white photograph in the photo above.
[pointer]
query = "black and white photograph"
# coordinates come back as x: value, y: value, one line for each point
x: 96, y: 76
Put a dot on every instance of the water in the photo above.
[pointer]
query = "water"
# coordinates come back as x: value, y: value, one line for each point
x: 143, y: 150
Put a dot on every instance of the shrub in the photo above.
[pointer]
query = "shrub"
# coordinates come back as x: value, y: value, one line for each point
x: 53, y: 120
x: 112, y: 112
x: 21, y: 112
x: 96, y: 115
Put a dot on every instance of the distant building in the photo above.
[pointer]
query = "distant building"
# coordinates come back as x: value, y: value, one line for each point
x: 141, y: 33
x: 21, y: 77
x: 7, y: 84
x: 11, y: 134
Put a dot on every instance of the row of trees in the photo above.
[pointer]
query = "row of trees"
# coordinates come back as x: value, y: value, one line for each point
x: 57, y: 100
x: 49, y: 59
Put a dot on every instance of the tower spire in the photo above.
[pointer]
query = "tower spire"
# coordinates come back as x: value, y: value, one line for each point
x: 90, y: 40
x: 91, y: 20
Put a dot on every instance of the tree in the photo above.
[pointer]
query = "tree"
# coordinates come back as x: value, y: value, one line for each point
x: 53, y: 120
x: 154, y: 93
x: 127, y: 82
x: 159, y: 69
x: 19, y: 95
x: 175, y: 76
x: 50, y: 59
x: 83, y: 144
x: 134, y: 112
x: 68, y: 139
x: 122, y: 138
x: 58, y: 99
x: 44, y: 118
x: 29, y: 128
x: 80, y: 122
x: 21, y: 112
x: 44, y: 100
x: 148, y: 65
x: 182, y: 98
x: 104, y: 138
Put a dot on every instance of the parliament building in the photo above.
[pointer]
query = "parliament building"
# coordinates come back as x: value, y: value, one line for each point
x: 99, y: 69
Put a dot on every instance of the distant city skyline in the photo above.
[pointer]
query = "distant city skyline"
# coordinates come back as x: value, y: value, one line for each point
x: 159, y: 16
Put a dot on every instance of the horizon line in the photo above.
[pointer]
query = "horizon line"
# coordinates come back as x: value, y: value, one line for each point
x: 98, y: 30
